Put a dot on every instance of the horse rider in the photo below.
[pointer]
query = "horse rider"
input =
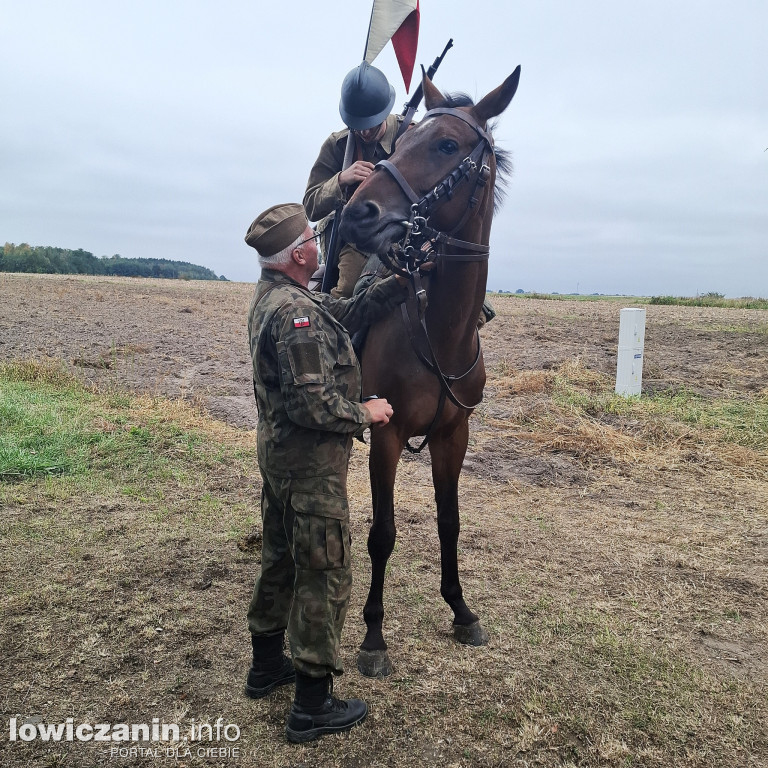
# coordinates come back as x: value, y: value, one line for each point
x: 366, y: 100
x: 308, y: 391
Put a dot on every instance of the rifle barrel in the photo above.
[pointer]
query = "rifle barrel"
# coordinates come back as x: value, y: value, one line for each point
x: 439, y: 60
x: 415, y: 100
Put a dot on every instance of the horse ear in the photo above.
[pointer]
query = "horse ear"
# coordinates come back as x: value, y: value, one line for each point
x: 497, y: 101
x: 432, y: 95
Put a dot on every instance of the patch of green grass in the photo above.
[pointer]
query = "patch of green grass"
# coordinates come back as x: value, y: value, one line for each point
x: 43, y: 430
x: 575, y: 297
x: 711, y: 299
x: 734, y: 419
x: 52, y: 425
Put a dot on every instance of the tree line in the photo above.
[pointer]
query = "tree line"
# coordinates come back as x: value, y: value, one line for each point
x: 49, y: 260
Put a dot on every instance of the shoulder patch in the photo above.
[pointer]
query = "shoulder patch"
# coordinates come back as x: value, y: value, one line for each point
x: 301, y: 322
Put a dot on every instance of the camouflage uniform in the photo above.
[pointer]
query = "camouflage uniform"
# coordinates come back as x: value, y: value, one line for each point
x: 308, y: 388
x: 323, y: 193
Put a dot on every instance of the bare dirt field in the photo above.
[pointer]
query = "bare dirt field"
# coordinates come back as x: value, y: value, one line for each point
x: 188, y: 339
x: 619, y: 565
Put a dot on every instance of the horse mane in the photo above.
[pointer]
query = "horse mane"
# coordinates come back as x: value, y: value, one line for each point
x: 503, y: 156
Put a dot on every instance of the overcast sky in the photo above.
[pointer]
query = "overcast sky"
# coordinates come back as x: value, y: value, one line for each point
x: 161, y: 128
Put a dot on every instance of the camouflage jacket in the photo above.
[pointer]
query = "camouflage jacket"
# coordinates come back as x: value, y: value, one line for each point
x: 323, y: 192
x: 306, y: 375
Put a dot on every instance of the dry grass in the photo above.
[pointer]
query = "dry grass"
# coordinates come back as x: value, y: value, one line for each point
x: 583, y: 417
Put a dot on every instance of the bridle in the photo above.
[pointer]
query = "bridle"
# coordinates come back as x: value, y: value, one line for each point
x: 423, y: 244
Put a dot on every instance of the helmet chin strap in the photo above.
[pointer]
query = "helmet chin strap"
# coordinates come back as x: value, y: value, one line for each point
x: 380, y: 131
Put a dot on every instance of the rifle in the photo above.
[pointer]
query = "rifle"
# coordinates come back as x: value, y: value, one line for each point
x: 331, y: 274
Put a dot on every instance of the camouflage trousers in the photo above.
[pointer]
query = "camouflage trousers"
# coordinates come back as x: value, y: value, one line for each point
x: 306, y: 576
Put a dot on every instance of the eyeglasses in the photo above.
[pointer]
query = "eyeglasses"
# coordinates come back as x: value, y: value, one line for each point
x: 314, y: 237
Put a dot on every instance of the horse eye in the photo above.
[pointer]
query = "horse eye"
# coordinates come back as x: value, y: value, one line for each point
x: 448, y: 146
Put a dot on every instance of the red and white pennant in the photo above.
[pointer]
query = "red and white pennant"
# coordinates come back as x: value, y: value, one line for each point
x: 396, y: 20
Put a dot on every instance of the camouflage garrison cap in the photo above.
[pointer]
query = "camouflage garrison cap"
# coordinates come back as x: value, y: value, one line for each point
x: 276, y: 228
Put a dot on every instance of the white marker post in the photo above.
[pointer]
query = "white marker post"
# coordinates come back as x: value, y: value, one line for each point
x: 629, y: 364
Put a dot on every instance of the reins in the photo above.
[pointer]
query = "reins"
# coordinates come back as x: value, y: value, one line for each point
x: 430, y: 361
x: 423, y: 244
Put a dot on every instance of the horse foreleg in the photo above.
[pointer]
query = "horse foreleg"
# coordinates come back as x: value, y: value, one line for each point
x: 373, y: 660
x: 447, y: 457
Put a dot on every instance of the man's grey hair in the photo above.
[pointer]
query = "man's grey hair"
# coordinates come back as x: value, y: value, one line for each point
x: 281, y: 258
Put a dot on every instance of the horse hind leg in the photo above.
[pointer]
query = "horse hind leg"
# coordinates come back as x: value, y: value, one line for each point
x: 447, y: 458
x: 372, y: 659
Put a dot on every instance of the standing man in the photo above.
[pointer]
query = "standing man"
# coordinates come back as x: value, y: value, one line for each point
x: 366, y: 101
x: 308, y: 391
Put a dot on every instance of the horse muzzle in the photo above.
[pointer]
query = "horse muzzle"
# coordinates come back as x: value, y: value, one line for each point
x: 363, y: 224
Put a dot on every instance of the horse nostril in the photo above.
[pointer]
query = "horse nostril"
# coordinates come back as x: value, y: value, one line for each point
x: 358, y: 220
x: 362, y: 212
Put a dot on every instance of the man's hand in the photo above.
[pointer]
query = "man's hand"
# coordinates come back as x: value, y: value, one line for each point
x: 357, y: 172
x: 379, y: 409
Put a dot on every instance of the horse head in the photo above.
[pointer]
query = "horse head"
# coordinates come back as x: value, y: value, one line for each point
x: 443, y: 171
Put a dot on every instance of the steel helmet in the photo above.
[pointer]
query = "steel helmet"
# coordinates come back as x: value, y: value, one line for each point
x: 366, y: 98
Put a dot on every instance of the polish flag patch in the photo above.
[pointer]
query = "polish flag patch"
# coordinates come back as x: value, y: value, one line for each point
x: 301, y: 322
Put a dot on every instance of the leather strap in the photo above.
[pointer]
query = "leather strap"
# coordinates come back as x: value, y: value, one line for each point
x: 400, y: 179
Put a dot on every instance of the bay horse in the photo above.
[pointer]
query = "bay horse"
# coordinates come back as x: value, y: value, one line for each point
x: 429, y: 208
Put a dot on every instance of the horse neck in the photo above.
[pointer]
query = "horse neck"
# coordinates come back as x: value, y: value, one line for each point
x: 457, y: 291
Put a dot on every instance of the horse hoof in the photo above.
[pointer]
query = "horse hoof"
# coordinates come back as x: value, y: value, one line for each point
x: 373, y: 663
x: 470, y: 634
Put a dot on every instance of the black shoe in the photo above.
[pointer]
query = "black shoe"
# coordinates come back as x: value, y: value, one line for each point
x: 259, y: 683
x: 306, y: 723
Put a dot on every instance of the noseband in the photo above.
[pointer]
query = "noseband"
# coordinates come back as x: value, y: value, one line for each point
x: 423, y: 243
